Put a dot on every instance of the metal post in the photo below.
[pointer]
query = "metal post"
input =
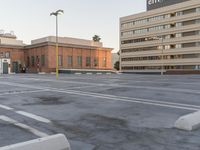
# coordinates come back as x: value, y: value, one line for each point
x: 57, y: 65
x: 58, y: 12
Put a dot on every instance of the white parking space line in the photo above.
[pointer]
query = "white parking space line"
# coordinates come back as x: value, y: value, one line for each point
x: 139, y: 101
x: 117, y: 85
x: 118, y: 98
x: 158, y: 88
x: 33, y: 116
x: 22, y: 85
x: 21, y: 92
x: 23, y: 126
x: 82, y: 87
x: 26, y: 114
x: 163, y: 82
x: 5, y: 107
x: 63, y: 81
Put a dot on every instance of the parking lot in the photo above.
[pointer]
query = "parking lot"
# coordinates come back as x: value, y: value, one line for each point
x: 100, y: 112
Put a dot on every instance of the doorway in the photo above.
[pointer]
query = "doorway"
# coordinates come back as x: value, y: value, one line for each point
x: 15, y: 67
x: 5, y: 68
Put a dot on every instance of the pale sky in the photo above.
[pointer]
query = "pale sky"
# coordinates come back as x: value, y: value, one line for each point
x: 30, y: 19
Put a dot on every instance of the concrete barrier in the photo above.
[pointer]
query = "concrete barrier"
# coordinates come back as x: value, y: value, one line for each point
x: 55, y: 142
x: 78, y: 73
x: 119, y: 73
x: 89, y: 73
x: 12, y: 73
x: 109, y: 73
x: 188, y: 122
x: 99, y: 73
x: 41, y: 73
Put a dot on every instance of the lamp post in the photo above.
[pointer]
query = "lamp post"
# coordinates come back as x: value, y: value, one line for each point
x: 58, y: 12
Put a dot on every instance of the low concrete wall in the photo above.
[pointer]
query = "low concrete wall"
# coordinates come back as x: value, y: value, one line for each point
x: 84, y: 71
x: 175, y: 72
x: 55, y: 142
x: 189, y: 122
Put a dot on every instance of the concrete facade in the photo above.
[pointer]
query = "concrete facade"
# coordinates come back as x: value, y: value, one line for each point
x: 166, y: 38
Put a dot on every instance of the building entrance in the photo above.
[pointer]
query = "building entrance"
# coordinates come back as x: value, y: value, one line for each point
x: 5, y: 68
x: 15, y: 68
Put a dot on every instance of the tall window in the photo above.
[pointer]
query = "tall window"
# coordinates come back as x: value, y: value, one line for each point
x: 32, y: 60
x: 37, y: 60
x: 28, y: 61
x: 60, y: 60
x: 69, y: 60
x: 7, y: 55
x: 43, y: 60
x: 96, y: 62
x: 79, y: 60
x: 104, y: 62
x: 88, y: 61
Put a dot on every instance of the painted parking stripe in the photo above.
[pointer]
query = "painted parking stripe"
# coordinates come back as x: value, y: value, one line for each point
x: 33, y: 116
x: 135, y: 101
x: 21, y: 92
x: 118, y: 98
x: 23, y: 126
x: 139, y: 99
x: 132, y: 100
x: 83, y: 87
x: 63, y: 81
x: 5, y: 107
x: 137, y: 79
x: 117, y: 85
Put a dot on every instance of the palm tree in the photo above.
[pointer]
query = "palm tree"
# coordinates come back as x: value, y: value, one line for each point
x: 96, y: 38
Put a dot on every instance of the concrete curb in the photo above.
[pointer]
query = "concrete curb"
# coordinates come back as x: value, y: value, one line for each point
x: 89, y: 73
x: 55, y: 142
x: 99, y: 73
x: 41, y: 73
x: 12, y: 73
x: 78, y: 73
x: 189, y: 122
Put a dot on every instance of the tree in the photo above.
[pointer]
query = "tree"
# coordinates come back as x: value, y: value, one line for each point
x: 116, y: 65
x: 96, y: 38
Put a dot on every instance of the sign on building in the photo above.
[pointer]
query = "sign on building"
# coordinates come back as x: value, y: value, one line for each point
x: 154, y: 4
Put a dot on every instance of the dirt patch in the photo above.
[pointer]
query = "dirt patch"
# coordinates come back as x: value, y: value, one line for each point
x: 119, y: 89
x: 103, y: 121
x: 50, y: 100
x: 73, y: 130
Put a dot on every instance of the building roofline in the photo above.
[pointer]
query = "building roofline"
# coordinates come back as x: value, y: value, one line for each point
x: 64, y: 45
x: 11, y: 46
x: 160, y: 11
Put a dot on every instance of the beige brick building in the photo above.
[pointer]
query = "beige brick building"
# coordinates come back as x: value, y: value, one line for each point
x: 165, y: 39
x: 73, y: 54
x: 40, y: 56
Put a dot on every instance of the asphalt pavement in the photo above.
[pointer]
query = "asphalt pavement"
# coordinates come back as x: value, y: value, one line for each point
x: 100, y: 112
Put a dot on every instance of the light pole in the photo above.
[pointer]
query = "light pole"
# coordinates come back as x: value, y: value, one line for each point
x: 58, y: 12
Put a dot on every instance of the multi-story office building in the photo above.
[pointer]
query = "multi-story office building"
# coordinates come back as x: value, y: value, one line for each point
x: 165, y: 38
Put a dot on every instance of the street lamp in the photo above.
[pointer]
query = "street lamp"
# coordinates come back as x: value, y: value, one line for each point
x: 58, y: 12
